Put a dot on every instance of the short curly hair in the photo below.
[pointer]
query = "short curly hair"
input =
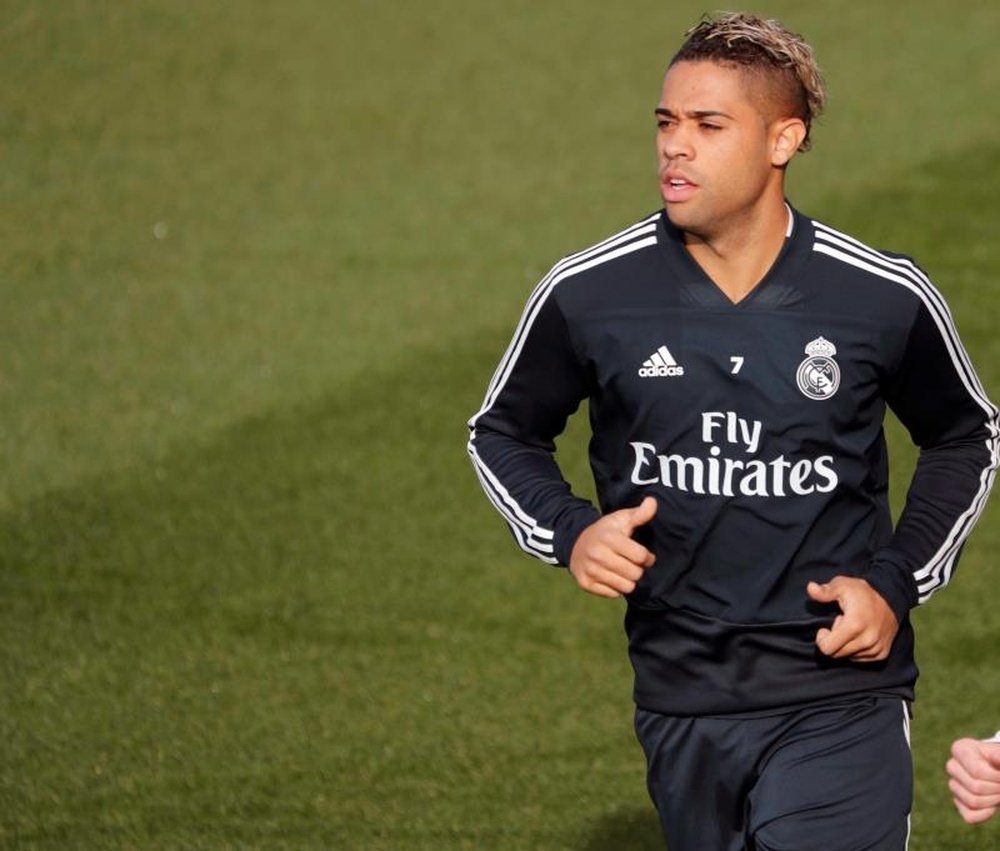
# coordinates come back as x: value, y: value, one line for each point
x: 764, y: 48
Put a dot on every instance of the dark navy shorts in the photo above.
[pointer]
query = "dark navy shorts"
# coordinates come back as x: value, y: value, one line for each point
x: 836, y: 777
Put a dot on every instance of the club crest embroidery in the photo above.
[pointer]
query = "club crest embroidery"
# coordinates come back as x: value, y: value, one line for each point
x: 818, y: 375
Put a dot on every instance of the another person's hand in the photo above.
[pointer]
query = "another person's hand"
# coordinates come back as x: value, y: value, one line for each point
x: 866, y: 626
x: 974, y: 769
x: 605, y: 560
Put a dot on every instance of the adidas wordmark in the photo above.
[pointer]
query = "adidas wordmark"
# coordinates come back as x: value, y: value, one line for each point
x: 660, y: 364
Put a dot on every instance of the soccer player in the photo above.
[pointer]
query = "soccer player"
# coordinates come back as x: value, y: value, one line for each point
x: 738, y: 357
x: 974, y: 769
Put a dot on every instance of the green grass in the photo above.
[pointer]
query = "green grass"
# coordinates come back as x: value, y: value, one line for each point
x: 250, y: 594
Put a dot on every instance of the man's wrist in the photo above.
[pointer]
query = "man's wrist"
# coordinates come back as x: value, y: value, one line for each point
x: 569, y: 528
x: 894, y: 584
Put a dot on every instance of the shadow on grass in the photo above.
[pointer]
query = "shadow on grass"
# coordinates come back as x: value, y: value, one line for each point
x: 626, y: 830
x: 205, y: 608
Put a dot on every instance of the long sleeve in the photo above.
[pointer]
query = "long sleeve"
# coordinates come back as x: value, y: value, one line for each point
x: 539, y: 383
x: 937, y: 396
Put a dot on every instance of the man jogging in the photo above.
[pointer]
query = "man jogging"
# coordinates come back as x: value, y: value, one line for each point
x: 738, y: 358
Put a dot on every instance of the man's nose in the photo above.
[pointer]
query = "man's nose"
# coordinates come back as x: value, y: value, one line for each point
x: 676, y: 144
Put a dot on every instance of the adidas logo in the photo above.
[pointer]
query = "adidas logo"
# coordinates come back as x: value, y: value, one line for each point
x: 660, y: 364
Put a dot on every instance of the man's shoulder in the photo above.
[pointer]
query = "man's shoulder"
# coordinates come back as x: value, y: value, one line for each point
x: 610, y: 250
x: 856, y: 252
x: 863, y: 274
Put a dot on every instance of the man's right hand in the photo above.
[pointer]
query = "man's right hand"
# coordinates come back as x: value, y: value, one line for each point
x: 605, y: 560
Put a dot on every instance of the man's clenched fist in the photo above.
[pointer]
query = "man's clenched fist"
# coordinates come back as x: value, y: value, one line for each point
x: 605, y: 560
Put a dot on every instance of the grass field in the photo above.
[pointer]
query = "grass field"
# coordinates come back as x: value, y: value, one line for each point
x: 259, y: 261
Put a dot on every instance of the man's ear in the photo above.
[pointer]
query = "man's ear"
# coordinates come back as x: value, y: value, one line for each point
x: 787, y: 135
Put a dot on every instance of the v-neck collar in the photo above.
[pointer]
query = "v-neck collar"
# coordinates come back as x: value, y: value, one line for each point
x: 775, y: 289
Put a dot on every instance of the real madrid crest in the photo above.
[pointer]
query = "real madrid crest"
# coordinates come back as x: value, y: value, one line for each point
x: 818, y: 375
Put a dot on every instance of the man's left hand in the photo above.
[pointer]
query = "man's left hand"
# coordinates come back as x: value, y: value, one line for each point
x: 865, y: 628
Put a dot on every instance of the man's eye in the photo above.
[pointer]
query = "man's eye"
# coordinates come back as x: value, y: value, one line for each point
x: 706, y: 126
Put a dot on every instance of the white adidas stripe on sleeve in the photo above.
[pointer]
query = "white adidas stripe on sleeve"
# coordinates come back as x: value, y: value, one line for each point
x: 530, y: 536
x: 936, y: 573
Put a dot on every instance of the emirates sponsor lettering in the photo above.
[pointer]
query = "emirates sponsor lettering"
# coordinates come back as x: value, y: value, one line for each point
x: 721, y: 475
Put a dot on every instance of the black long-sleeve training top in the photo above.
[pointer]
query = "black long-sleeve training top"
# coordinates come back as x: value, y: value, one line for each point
x: 758, y: 428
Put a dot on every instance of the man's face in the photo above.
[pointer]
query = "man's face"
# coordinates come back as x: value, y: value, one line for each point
x: 714, y: 148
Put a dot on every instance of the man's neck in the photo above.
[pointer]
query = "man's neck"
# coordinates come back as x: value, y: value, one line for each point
x: 740, y: 256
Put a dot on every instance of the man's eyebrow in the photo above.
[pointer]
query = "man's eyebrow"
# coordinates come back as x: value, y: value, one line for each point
x: 695, y: 113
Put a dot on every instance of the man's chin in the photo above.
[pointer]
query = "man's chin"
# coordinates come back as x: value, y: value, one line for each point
x: 682, y: 217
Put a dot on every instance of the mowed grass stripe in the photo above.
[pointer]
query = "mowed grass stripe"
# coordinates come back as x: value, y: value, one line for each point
x: 216, y: 211
x: 301, y: 628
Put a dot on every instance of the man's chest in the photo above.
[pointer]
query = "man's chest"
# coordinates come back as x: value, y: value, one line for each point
x: 676, y: 356
x: 760, y: 383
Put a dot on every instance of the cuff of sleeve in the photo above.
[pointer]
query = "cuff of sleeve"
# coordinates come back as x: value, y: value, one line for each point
x: 568, y: 529
x: 894, y: 582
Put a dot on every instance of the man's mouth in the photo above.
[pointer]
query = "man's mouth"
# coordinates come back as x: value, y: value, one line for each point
x: 677, y: 188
